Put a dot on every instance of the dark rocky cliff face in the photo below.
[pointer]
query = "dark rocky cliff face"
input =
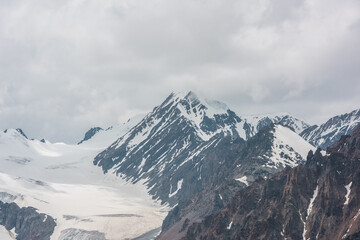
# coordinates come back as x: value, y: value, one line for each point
x: 318, y: 200
x: 28, y: 223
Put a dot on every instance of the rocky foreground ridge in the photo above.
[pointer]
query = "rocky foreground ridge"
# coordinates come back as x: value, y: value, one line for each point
x: 318, y: 200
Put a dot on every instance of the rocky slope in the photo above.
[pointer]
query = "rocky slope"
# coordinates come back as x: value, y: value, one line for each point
x: 26, y: 223
x: 328, y: 133
x: 167, y: 149
x: 263, y: 155
x: 318, y: 200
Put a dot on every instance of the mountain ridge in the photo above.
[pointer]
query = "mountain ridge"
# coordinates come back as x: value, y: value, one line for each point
x: 174, y: 137
x: 329, y: 132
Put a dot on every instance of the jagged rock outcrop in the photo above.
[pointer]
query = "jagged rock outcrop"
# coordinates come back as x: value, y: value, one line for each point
x: 28, y: 223
x: 89, y: 134
x: 318, y: 200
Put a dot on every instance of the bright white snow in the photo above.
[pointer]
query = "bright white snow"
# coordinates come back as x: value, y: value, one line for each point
x: 288, y: 143
x: 179, y: 185
x: 61, y: 181
x: 230, y: 225
x: 292, y: 121
x: 243, y: 180
x: 348, y: 191
x: 212, y: 108
x: 309, y: 210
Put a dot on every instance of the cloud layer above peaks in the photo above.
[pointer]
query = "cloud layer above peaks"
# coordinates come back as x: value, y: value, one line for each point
x: 67, y: 65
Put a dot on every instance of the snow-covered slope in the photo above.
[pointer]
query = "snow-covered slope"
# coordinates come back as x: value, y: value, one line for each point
x: 61, y: 181
x: 288, y: 148
x: 270, y: 151
x: 5, y: 234
x: 329, y: 132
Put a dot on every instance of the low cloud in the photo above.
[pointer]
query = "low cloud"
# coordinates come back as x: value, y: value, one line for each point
x: 69, y: 65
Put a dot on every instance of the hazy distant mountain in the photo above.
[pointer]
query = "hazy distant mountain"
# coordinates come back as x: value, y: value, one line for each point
x: 328, y: 133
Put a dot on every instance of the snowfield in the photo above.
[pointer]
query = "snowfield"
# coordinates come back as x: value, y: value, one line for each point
x: 288, y: 149
x: 60, y: 180
x: 5, y: 234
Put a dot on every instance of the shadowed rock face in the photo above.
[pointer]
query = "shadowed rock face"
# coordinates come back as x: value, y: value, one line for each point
x: 318, y: 200
x: 28, y: 223
x: 89, y: 134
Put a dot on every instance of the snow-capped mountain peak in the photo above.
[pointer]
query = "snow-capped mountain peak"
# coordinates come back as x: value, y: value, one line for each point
x: 212, y: 106
x: 172, y: 139
x: 193, y: 103
x: 13, y: 136
x: 173, y: 135
x: 15, y: 133
x: 197, y: 103
x: 203, y: 112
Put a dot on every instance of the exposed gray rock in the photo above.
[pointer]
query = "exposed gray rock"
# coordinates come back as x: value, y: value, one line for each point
x: 89, y: 134
x: 28, y: 223
x: 21, y: 132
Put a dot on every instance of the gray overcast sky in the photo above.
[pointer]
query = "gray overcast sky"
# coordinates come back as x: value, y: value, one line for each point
x: 67, y: 65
